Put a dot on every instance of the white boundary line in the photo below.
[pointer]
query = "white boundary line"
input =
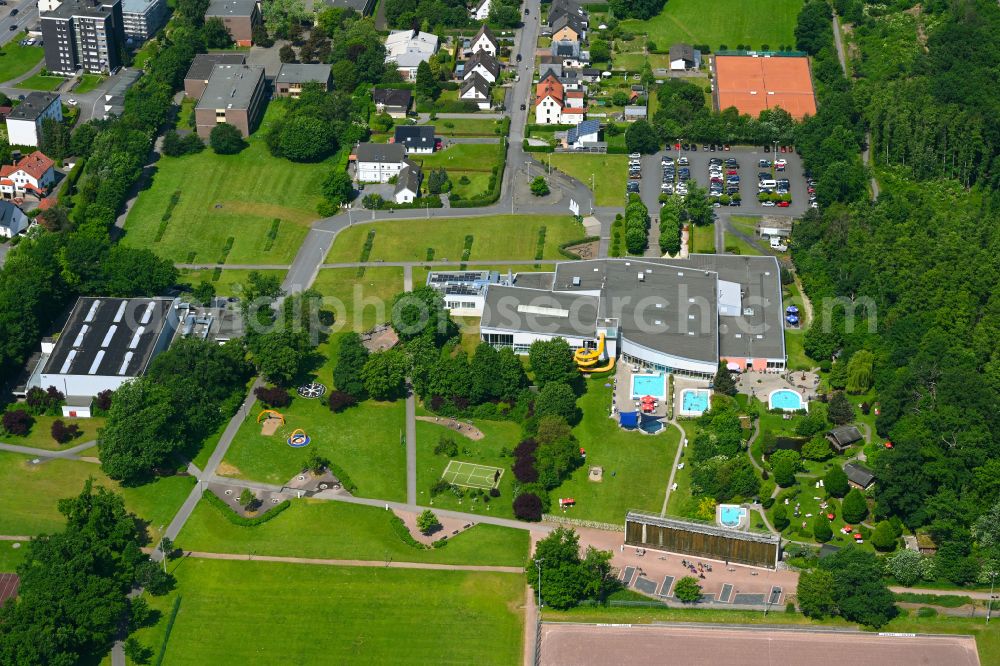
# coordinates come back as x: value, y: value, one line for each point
x: 470, y: 475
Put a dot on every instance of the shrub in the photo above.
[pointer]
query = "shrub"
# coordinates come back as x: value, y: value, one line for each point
x: 525, y: 448
x: 780, y: 517
x: 524, y: 470
x: 237, y: 519
x: 494, y: 492
x: 17, y: 422
x: 446, y: 446
x: 338, y: 401
x: 440, y: 486
x: 102, y: 402
x: 688, y: 590
x: 63, y: 433
x: 884, y: 537
x: 273, y: 396
x: 528, y: 506
x: 225, y: 139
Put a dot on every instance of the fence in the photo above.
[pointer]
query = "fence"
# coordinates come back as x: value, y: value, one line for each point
x: 575, y: 522
x: 673, y: 603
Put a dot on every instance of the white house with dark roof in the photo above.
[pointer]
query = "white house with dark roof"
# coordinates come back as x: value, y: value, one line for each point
x: 24, y: 122
x: 12, y: 220
x: 415, y: 138
x: 684, y: 57
x: 378, y: 162
x: 394, y: 101
x: 408, y: 184
x: 476, y: 89
x: 485, y: 40
x: 484, y: 64
x: 481, y: 10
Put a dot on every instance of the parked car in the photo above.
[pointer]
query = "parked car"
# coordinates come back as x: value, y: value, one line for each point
x: 71, y: 102
x: 14, y: 11
x: 725, y: 147
x: 704, y: 148
x: 734, y: 202
x: 685, y: 146
x: 767, y: 204
x: 715, y: 160
x: 683, y: 161
x: 731, y: 162
x: 784, y: 204
x: 764, y: 164
x: 634, y: 156
x: 518, y: 57
x: 667, y: 188
x: 782, y: 149
x: 523, y: 107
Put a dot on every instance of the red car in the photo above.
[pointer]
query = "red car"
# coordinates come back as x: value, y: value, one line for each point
x: 784, y: 204
x: 677, y: 146
x: 732, y: 172
x: 726, y: 147
x: 782, y: 149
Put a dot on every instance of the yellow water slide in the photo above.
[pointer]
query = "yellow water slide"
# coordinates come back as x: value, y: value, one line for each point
x: 586, y: 359
x: 609, y: 366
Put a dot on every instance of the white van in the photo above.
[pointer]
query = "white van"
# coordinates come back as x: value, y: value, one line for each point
x: 768, y: 183
x: 777, y: 244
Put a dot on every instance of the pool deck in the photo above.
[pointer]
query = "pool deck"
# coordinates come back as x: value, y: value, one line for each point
x: 760, y: 384
x: 623, y: 393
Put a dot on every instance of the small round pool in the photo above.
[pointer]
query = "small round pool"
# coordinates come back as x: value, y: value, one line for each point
x: 694, y: 402
x: 788, y: 400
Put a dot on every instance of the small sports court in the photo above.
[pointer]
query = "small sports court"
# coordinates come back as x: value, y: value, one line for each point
x: 574, y: 644
x: 8, y: 586
x: 755, y: 83
x: 471, y: 475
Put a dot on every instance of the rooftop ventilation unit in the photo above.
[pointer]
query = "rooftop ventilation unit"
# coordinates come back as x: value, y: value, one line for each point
x: 576, y: 280
x: 97, y: 363
x: 107, y: 336
x: 747, y: 312
x: 642, y: 277
x: 760, y: 336
x: 121, y: 311
x: 93, y: 311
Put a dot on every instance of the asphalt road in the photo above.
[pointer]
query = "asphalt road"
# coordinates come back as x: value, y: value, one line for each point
x: 27, y: 17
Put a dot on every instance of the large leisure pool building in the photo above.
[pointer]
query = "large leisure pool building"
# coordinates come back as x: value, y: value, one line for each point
x: 673, y: 315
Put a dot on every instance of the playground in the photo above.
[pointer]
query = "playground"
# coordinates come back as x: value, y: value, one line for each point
x: 471, y: 475
x: 270, y: 421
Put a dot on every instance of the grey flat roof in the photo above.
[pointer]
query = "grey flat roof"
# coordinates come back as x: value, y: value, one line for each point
x: 301, y: 73
x: 201, y: 66
x: 71, y: 8
x: 123, y: 81
x: 231, y: 8
x: 112, y: 329
x: 540, y: 311
x: 643, y: 517
x: 137, y: 6
x: 534, y: 280
x: 34, y: 105
x: 231, y: 87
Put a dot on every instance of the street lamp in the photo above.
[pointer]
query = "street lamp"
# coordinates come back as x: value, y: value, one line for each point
x: 538, y: 565
x: 989, y: 605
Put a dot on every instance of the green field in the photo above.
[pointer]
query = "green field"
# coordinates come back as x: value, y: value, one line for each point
x: 723, y: 23
x: 494, y: 238
x: 337, y: 530
x: 609, y: 172
x: 17, y: 60
x: 268, y: 613
x: 29, y: 494
x: 499, y: 435
x: 702, y: 239
x: 230, y: 280
x: 87, y: 83
x: 39, y: 82
x: 462, y: 157
x: 358, y: 303
x: 40, y: 436
x: 636, y: 466
x: 10, y: 556
x: 365, y: 440
x: 465, y: 127
x: 229, y: 196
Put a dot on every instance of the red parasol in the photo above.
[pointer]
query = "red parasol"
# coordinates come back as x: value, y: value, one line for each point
x: 829, y: 516
x: 857, y: 536
x: 648, y: 398
x: 888, y: 445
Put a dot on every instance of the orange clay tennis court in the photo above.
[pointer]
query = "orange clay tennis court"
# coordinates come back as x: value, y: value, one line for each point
x: 753, y: 84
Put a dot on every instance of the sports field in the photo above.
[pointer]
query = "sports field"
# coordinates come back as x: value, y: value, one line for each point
x: 471, y: 475
x: 268, y: 613
x: 754, y: 23
x: 754, y: 84
x: 575, y: 644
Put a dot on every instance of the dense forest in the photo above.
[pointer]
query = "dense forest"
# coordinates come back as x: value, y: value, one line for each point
x: 911, y: 277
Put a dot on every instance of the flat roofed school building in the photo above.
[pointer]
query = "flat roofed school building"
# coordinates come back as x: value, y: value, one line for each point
x: 235, y: 94
x: 755, y: 83
x: 201, y: 68
x: 679, y: 316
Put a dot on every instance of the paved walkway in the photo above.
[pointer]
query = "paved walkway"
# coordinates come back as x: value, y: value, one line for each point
x: 673, y: 468
x: 983, y: 596
x: 391, y: 564
x: 66, y: 454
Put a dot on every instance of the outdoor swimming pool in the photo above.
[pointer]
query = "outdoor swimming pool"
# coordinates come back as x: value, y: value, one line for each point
x: 787, y: 400
x: 731, y: 515
x: 654, y: 385
x: 694, y: 402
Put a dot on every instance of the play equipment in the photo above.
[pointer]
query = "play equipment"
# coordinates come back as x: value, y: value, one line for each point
x: 298, y: 439
x: 312, y: 390
x: 271, y: 414
x: 586, y: 359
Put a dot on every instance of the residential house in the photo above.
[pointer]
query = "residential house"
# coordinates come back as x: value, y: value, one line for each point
x: 408, y: 183
x: 34, y: 173
x: 481, y: 10
x: 24, y: 122
x: 378, y: 162
x: 201, y: 70
x: 565, y: 49
x: 235, y: 94
x: 83, y: 34
x: 844, y: 437
x: 415, y: 138
x: 292, y: 76
x: 552, y: 105
x: 568, y: 28
x: 12, y: 220
x: 634, y: 113
x: 406, y: 49
x: 239, y: 16
x: 394, y: 101
x: 858, y: 476
x: 485, y: 40
x: 476, y: 89
x: 561, y: 8
x: 585, y: 135
x: 484, y: 64
x: 142, y: 18
x: 684, y: 57
x: 363, y: 7
x: 590, y: 74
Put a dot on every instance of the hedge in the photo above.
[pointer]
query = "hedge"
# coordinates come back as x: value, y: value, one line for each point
x: 528, y: 148
x: 345, y: 480
x: 166, y: 633
x: 496, y: 184
x: 569, y: 255
x: 399, y: 527
x: 237, y: 519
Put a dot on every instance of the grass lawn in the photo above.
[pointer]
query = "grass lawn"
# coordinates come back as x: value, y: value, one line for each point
x: 702, y: 239
x: 229, y: 281
x: 30, y: 493
x: 499, y: 434
x: 366, y: 441
x: 736, y: 245
x: 794, y: 337
x: 10, y: 556
x: 318, y: 614
x: 462, y: 157
x: 479, y: 183
x: 337, y: 530
x: 987, y: 640
x: 237, y: 197
x: 16, y: 60
x: 681, y: 502
x: 610, y: 172
x: 40, y: 436
x: 494, y: 238
x: 633, y: 62
x: 727, y: 22
x: 39, y: 82
x: 636, y: 466
x: 465, y: 127
x: 87, y: 83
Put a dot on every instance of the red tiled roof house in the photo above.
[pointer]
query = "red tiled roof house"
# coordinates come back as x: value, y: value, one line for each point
x: 34, y: 173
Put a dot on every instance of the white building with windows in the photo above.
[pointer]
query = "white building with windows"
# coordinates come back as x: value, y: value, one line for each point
x: 142, y: 18
x: 379, y: 162
x: 24, y: 122
x: 406, y: 49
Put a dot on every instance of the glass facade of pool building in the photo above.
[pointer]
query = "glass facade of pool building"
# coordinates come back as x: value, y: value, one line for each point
x: 646, y: 530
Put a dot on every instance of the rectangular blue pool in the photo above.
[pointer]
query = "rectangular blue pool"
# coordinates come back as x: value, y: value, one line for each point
x: 654, y: 385
x: 694, y: 402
